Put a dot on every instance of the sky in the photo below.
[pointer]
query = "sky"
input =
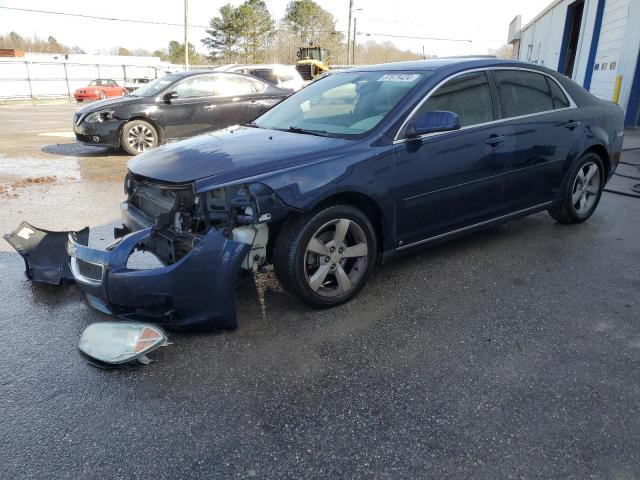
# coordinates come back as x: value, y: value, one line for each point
x: 485, y: 23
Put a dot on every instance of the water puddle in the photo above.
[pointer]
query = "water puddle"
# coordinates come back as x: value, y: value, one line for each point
x: 14, y: 169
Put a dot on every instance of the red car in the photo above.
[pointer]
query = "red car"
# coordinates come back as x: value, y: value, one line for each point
x: 99, y: 89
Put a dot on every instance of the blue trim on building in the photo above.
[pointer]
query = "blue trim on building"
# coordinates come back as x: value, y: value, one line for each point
x: 595, y: 39
x: 565, y: 38
x: 631, y: 118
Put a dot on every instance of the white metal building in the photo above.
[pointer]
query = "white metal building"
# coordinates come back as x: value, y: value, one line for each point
x: 591, y: 41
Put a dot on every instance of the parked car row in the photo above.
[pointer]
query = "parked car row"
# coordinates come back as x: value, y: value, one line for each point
x: 184, y: 104
x: 175, y: 106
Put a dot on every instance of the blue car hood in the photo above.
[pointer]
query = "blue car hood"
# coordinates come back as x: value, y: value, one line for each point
x: 230, y: 154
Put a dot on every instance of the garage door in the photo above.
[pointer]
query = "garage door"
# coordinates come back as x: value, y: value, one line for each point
x: 607, y: 63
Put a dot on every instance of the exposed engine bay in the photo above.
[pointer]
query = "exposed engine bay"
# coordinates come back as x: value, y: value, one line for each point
x: 179, y: 216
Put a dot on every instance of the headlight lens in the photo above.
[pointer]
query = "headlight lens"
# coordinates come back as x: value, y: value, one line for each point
x: 100, y: 116
x: 121, y: 342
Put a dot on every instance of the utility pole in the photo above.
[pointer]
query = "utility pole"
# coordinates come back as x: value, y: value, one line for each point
x: 186, y: 35
x: 355, y: 33
x: 349, y: 33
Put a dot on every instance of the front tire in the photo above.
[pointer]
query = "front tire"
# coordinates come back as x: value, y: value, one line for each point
x: 138, y: 136
x: 326, y: 257
x: 581, y: 192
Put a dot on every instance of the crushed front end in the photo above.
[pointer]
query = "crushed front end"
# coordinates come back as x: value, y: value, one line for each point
x: 202, y: 239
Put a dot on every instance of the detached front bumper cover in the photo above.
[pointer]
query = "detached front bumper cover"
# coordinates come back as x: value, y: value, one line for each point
x: 196, y: 293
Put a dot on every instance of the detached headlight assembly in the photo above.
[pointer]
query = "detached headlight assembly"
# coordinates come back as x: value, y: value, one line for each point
x: 117, y: 343
x: 100, y: 116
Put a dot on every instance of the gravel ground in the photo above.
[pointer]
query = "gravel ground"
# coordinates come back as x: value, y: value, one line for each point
x: 511, y: 353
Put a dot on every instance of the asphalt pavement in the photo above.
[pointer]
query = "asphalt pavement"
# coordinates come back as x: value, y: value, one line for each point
x: 511, y: 353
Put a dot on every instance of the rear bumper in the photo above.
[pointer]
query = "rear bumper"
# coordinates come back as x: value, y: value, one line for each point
x: 196, y: 293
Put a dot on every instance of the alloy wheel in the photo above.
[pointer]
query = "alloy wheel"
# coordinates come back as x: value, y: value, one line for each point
x: 336, y: 258
x: 586, y: 188
x: 140, y: 138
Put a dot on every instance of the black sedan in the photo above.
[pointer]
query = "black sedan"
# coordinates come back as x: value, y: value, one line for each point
x: 172, y: 107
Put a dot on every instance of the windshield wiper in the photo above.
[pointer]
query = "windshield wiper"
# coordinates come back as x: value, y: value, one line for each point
x: 251, y: 124
x: 307, y: 131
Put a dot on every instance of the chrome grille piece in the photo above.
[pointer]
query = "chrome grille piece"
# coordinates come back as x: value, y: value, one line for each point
x: 86, y: 272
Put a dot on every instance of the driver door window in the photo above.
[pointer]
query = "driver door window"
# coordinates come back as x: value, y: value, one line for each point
x: 194, y: 87
x: 467, y: 95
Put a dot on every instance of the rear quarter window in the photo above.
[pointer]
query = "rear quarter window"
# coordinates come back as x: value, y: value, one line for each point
x: 524, y: 93
x: 560, y: 100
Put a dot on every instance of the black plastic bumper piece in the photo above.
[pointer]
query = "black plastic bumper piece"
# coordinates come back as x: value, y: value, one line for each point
x: 44, y: 252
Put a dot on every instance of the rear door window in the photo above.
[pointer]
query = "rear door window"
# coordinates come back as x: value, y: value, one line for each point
x: 523, y: 93
x: 230, y: 85
x: 468, y: 95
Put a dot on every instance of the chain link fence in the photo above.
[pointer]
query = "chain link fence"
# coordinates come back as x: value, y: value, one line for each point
x: 23, y: 79
x: 20, y: 79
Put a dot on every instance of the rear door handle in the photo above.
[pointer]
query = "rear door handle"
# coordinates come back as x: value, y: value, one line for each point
x: 572, y: 124
x: 209, y: 107
x: 495, y: 140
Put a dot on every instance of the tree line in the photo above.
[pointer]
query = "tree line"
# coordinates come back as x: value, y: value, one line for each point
x: 248, y: 33
x: 36, y: 44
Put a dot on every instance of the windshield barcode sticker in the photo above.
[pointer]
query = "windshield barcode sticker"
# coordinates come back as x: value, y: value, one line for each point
x: 399, y: 77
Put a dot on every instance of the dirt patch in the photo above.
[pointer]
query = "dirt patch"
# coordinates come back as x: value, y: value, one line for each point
x: 9, y: 190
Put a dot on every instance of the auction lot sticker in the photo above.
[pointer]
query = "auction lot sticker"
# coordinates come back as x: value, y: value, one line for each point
x: 399, y: 77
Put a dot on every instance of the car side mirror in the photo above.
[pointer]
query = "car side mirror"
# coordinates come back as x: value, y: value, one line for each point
x: 167, y: 97
x: 433, y: 121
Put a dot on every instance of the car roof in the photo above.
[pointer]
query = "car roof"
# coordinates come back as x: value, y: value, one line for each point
x: 265, y: 66
x: 193, y: 73
x: 435, y: 64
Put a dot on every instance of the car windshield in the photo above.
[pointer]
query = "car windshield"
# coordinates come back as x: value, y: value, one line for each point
x: 342, y: 104
x: 154, y: 87
x: 98, y: 83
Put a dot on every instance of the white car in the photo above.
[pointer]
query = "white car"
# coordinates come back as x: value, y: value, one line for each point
x: 283, y: 76
x: 135, y: 83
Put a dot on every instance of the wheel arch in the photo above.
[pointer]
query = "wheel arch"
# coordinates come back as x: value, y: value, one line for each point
x: 144, y: 118
x: 363, y: 202
x: 602, y: 152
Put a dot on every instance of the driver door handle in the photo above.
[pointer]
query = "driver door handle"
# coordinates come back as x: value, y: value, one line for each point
x: 495, y: 140
x: 209, y: 107
x: 572, y: 124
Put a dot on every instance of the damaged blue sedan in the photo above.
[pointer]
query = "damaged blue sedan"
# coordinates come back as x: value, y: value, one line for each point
x: 356, y: 167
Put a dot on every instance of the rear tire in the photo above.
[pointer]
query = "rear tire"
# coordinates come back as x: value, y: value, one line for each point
x: 138, y: 136
x: 581, y: 192
x: 325, y: 258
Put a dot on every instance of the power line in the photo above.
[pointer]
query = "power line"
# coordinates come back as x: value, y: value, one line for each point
x: 150, y: 22
x: 369, y: 34
x: 112, y: 19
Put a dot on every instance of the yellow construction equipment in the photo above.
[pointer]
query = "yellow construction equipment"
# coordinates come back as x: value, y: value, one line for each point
x: 310, y: 63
